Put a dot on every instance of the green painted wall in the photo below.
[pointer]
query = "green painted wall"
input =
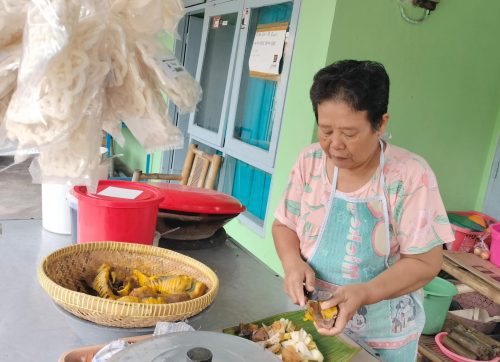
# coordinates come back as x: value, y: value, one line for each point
x: 445, y: 83
x: 310, y: 54
x: 445, y: 91
x: 134, y: 155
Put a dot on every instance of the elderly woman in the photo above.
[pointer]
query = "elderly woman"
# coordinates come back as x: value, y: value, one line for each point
x: 361, y: 217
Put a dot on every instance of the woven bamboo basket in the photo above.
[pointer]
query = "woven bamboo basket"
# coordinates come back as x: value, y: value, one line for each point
x: 62, y: 275
x: 477, y: 300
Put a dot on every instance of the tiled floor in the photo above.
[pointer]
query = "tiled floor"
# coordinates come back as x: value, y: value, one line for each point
x: 19, y: 197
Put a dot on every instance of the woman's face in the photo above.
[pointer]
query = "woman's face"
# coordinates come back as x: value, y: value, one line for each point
x: 346, y: 135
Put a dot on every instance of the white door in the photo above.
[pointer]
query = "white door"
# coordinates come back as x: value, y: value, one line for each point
x: 492, y: 198
x: 221, y: 28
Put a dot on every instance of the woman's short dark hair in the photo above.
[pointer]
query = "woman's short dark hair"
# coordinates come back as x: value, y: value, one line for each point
x: 363, y: 85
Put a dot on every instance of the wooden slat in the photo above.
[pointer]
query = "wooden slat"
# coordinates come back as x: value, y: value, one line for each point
x: 188, y: 163
x: 429, y: 349
x: 471, y: 280
x: 216, y: 162
x: 483, y: 269
x: 200, y: 170
x: 427, y: 345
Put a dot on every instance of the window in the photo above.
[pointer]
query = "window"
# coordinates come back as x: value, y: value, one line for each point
x: 255, y: 111
x: 245, y: 184
x: 239, y: 115
x: 217, y: 52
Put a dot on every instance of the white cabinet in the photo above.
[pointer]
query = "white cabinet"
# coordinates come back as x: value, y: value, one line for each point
x: 240, y: 114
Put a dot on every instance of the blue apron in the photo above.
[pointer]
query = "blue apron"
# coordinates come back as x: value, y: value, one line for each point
x: 354, y: 247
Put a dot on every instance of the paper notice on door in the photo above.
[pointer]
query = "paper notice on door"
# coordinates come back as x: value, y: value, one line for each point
x: 267, y: 50
x: 120, y: 192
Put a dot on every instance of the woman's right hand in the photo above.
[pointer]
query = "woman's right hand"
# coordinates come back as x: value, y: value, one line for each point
x: 298, y: 274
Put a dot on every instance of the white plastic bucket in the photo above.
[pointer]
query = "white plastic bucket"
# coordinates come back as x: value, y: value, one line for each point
x: 73, y: 208
x: 56, y: 216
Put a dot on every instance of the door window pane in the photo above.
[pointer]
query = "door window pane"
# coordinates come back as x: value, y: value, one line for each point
x: 251, y: 187
x: 189, y: 51
x: 254, y: 118
x: 215, y: 67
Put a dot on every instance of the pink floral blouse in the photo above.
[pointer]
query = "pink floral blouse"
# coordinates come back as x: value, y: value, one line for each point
x: 418, y: 217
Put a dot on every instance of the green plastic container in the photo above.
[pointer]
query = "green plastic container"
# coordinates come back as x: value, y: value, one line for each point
x: 437, y: 299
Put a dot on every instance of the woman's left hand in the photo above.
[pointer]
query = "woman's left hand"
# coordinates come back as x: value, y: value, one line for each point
x: 348, y: 299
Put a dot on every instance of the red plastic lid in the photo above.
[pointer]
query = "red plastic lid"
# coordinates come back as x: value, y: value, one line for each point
x: 120, y: 194
x: 197, y: 200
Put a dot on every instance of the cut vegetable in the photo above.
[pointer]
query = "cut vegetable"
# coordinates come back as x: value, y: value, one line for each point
x: 283, y: 339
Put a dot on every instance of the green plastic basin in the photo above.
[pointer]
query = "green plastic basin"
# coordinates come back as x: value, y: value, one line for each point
x: 437, y: 299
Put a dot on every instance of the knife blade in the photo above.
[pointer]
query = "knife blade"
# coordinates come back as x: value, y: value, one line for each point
x: 318, y: 294
x: 357, y: 338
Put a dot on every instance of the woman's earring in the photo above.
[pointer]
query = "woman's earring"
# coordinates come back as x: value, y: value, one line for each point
x: 385, y: 136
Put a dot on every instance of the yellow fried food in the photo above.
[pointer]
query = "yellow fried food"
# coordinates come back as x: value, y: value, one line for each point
x: 153, y: 300
x: 102, y: 282
x: 138, y: 287
x: 143, y: 292
x: 324, y: 318
x: 176, y: 297
x: 197, y: 290
x: 147, y: 300
x: 142, y: 278
x: 171, y: 284
x: 125, y: 289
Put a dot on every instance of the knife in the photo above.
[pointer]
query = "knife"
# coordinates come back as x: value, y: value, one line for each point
x: 357, y: 338
x: 318, y: 294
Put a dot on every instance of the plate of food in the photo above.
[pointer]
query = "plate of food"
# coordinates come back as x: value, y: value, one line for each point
x: 292, y: 337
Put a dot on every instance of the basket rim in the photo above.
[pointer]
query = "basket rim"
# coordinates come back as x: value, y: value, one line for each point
x: 467, y: 231
x: 473, y: 212
x: 479, y: 323
x: 97, y: 304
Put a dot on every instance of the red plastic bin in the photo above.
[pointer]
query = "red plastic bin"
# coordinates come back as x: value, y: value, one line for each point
x: 119, y: 211
x: 465, y: 239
